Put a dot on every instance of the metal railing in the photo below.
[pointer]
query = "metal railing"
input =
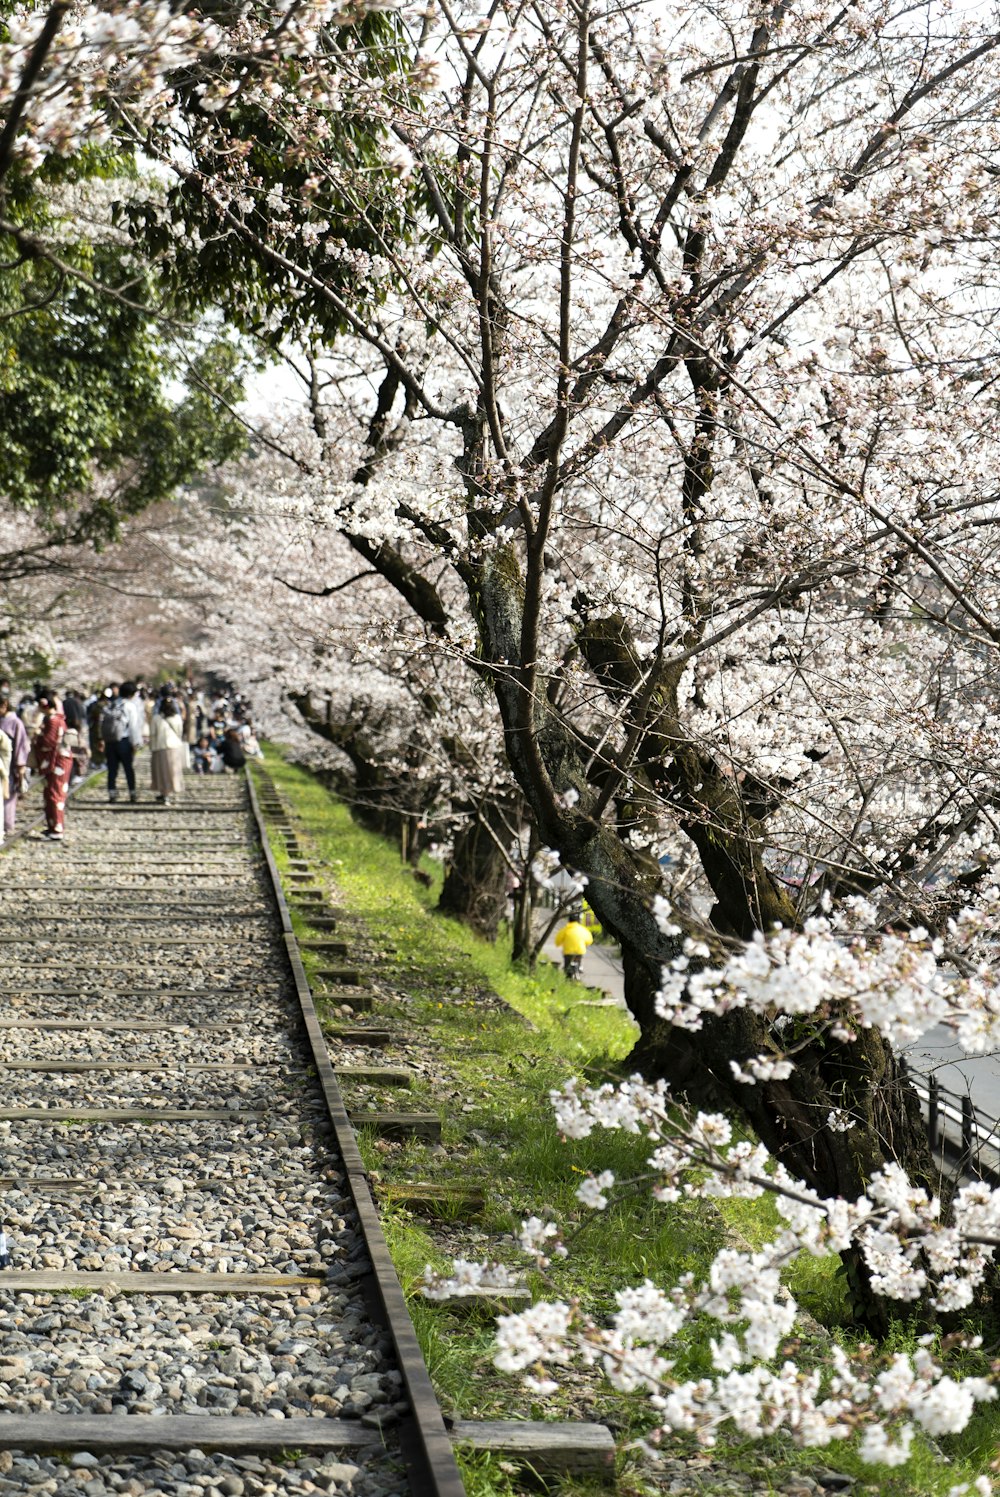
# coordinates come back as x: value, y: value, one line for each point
x: 962, y: 1138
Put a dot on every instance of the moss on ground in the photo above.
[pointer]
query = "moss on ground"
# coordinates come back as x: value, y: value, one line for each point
x: 498, y: 1040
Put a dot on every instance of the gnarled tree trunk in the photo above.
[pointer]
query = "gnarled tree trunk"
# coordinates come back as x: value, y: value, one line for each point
x: 475, y: 886
x: 862, y: 1078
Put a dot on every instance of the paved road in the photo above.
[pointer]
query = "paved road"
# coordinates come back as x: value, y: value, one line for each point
x: 601, y: 968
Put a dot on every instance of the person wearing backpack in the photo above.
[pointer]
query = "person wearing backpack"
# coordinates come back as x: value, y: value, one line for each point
x: 119, y: 747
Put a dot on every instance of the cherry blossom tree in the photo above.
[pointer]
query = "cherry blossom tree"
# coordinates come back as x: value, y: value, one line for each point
x: 682, y: 375
x: 411, y: 748
x: 663, y: 396
x: 679, y: 368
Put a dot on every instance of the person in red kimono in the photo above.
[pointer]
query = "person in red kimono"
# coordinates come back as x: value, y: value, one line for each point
x: 54, y: 759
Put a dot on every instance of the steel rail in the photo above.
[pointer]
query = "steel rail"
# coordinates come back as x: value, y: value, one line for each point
x: 424, y: 1442
x: 432, y: 1469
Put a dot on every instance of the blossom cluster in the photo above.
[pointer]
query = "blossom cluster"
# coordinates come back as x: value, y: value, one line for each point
x: 745, y: 1311
x: 901, y: 984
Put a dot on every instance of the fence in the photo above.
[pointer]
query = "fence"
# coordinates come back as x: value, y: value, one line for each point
x: 962, y: 1138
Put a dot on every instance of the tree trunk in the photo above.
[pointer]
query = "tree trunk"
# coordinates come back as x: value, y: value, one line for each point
x: 523, y: 949
x: 377, y: 801
x: 862, y: 1079
x: 475, y: 886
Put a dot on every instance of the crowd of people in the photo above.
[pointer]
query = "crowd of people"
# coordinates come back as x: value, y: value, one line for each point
x: 61, y: 737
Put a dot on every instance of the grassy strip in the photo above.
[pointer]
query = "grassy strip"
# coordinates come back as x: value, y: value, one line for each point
x: 487, y: 1068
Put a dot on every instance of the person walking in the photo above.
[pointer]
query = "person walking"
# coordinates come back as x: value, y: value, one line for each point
x: 136, y: 712
x: 13, y: 728
x: 6, y: 754
x: 4, y: 1247
x: 76, y: 722
x: 52, y: 748
x: 95, y: 711
x: 573, y: 940
x: 116, y: 733
x: 28, y: 712
x: 73, y: 710
x: 167, y: 748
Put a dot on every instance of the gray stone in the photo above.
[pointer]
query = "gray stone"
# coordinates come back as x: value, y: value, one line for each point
x: 337, y: 1474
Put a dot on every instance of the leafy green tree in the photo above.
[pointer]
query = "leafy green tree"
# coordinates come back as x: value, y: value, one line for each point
x: 90, y: 431
x: 309, y: 168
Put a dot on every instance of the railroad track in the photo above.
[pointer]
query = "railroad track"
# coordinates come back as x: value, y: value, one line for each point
x: 201, y: 1300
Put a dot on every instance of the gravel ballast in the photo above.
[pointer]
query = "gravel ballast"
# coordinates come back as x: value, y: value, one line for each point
x: 260, y: 1190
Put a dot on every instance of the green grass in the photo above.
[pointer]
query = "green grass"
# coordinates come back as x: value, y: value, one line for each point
x: 500, y: 1061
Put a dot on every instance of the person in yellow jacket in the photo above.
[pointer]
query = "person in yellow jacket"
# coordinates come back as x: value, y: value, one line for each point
x: 573, y: 940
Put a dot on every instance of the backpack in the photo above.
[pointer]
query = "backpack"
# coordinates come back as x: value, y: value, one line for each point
x: 114, y: 721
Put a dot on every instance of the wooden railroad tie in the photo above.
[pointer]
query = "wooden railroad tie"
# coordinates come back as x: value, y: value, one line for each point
x: 257, y: 918
x: 376, y: 1075
x: 556, y: 1449
x: 53, y: 1281
x: 437, y: 1200
x: 101, y: 1026
x: 485, y: 1301
x: 126, y: 1185
x: 45, y: 1183
x: 358, y: 1034
x: 76, y: 1114
x: 119, y: 943
x: 79, y: 1067
x: 425, y: 1125
x: 171, y: 906
x: 549, y: 1450
x: 134, y: 809
x: 349, y: 977
x: 327, y: 948
x: 150, y: 860
x: 361, y: 1003
x: 104, y: 1434
x: 140, y: 882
